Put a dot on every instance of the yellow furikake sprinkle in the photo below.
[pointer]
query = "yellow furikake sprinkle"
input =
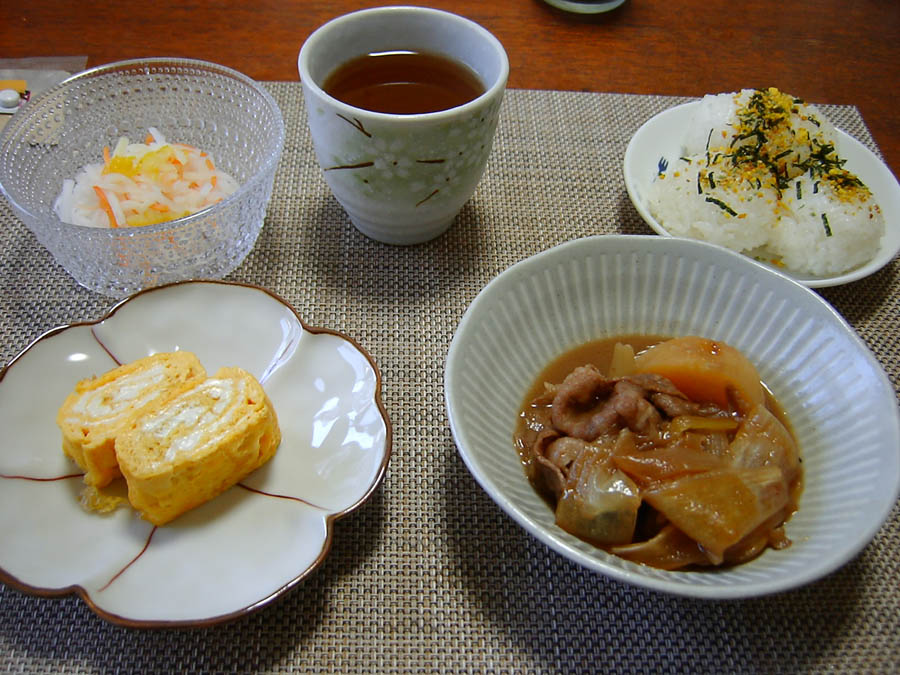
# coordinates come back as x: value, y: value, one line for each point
x: 775, y: 139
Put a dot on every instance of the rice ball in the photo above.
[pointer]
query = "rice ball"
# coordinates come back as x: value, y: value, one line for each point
x: 758, y: 173
x: 824, y: 229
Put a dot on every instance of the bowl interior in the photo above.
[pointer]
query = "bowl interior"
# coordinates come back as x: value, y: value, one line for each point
x: 840, y: 403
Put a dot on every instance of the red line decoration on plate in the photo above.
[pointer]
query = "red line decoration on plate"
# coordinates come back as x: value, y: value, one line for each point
x: 41, y: 480
x: 155, y: 527
x: 130, y: 562
x: 277, y: 496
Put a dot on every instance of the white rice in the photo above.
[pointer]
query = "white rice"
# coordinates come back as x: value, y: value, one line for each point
x: 829, y: 226
x: 822, y: 234
x: 678, y: 205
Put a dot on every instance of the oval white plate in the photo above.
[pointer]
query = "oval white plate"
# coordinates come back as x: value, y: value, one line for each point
x: 842, y: 406
x: 659, y: 138
x: 244, y: 548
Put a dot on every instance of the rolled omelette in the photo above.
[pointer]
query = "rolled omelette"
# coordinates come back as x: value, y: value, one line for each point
x: 100, y: 408
x: 186, y: 450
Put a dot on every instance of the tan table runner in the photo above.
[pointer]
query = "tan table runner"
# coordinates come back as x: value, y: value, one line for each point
x: 430, y: 575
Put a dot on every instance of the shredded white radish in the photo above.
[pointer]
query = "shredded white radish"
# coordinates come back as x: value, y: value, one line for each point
x: 143, y: 184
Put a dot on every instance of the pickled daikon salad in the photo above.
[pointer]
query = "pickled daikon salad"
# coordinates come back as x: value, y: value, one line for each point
x: 141, y: 184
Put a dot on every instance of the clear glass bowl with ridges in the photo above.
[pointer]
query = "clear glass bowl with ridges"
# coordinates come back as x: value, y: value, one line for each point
x: 209, y: 106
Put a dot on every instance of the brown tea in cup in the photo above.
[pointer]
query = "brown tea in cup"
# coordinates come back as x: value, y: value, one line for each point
x: 403, y: 82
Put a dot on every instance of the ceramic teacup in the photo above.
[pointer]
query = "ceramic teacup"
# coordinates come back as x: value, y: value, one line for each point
x: 402, y: 178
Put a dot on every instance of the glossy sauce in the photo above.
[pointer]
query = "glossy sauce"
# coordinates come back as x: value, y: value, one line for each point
x: 596, y: 353
x: 599, y: 353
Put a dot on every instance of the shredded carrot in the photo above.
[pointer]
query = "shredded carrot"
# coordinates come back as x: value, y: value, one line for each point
x: 140, y: 186
x: 104, y: 203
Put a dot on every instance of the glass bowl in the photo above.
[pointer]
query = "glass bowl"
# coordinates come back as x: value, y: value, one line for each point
x: 209, y: 106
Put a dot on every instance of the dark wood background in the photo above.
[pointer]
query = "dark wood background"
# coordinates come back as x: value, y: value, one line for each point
x: 824, y: 51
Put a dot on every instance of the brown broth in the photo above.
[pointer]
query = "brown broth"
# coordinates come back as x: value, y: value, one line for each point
x: 599, y: 353
x: 596, y: 353
x: 404, y: 83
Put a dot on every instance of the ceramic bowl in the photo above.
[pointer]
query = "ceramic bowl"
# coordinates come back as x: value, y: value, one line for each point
x: 585, y: 6
x: 211, y: 107
x: 841, y: 405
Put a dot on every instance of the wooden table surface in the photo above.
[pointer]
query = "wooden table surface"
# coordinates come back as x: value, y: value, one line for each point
x: 825, y: 51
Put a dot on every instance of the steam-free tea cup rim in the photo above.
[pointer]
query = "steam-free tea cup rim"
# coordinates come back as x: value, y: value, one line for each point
x: 495, y: 88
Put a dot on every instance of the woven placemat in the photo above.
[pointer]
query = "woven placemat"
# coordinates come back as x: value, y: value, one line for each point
x: 430, y: 575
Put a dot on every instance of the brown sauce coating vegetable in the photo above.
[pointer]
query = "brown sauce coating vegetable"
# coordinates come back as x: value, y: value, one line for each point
x: 669, y: 453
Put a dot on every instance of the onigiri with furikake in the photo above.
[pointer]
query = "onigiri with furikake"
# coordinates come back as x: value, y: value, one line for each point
x: 759, y: 174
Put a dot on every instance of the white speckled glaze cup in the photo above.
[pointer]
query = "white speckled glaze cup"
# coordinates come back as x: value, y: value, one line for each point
x: 402, y: 178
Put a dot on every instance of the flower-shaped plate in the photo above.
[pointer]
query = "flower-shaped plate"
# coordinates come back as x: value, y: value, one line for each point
x: 244, y: 548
